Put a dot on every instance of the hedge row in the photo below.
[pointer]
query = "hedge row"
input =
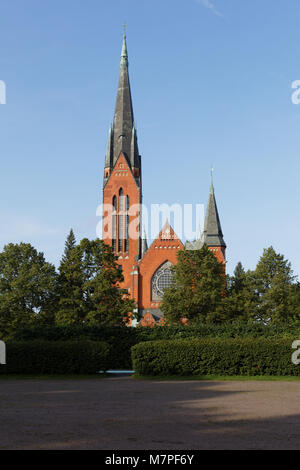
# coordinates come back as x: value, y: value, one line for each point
x: 208, y: 356
x: 55, y: 357
x: 121, y: 339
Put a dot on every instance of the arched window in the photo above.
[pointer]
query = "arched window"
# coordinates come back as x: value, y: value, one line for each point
x: 161, y: 279
x: 121, y: 220
x: 126, y: 223
x: 114, y: 224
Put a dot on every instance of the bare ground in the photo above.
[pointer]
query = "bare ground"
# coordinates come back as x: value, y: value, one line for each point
x: 125, y: 414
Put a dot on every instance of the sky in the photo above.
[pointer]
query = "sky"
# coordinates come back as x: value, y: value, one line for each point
x: 211, y: 84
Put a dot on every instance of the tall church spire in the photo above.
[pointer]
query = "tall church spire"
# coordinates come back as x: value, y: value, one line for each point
x: 124, y: 54
x: 123, y: 136
x: 212, y: 234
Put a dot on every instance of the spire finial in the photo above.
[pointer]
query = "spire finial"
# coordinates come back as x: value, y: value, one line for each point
x: 211, y: 180
x: 124, y: 29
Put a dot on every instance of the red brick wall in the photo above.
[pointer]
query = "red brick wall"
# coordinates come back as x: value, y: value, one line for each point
x: 122, y: 177
x: 160, y: 251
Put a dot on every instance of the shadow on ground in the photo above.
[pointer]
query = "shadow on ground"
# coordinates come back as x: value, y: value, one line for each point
x: 121, y: 413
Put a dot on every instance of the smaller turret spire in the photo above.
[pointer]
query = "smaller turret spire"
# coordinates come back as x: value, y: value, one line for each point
x: 212, y: 234
x: 144, y: 242
x: 109, y: 151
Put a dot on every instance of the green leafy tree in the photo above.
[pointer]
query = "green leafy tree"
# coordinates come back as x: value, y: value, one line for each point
x: 241, y: 300
x: 89, y: 285
x: 27, y: 288
x: 106, y: 303
x: 71, y: 309
x: 294, y: 302
x: 197, y: 288
x: 273, y: 280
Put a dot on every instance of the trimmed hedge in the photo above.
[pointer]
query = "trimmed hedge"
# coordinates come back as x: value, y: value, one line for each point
x: 239, y: 356
x: 119, y: 339
x: 122, y: 338
x: 55, y: 357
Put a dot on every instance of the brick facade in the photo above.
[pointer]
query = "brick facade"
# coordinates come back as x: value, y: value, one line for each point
x: 122, y: 190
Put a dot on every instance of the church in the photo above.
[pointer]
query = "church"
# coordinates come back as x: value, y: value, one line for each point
x: 146, y: 270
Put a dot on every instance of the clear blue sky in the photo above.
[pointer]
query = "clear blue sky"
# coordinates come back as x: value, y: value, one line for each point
x: 211, y: 85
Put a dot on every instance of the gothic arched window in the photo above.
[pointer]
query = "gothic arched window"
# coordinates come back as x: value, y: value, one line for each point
x: 161, y: 279
x: 121, y: 220
x: 126, y: 223
x: 114, y: 224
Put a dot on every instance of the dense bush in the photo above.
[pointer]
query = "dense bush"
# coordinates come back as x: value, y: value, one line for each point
x: 121, y: 339
x: 208, y: 356
x: 59, y: 357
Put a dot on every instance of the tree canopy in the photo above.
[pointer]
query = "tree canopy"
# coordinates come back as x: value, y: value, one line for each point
x: 197, y: 288
x: 27, y: 287
x: 89, y: 285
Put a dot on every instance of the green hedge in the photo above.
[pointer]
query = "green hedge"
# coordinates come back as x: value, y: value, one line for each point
x: 55, y: 357
x: 208, y: 356
x: 121, y: 339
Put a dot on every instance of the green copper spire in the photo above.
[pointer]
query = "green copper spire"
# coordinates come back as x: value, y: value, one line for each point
x: 124, y: 54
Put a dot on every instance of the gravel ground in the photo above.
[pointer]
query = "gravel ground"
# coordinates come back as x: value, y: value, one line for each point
x: 125, y: 414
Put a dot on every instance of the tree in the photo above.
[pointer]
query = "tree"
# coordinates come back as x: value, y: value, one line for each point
x: 240, y: 302
x: 106, y: 303
x: 27, y: 287
x: 89, y: 285
x: 273, y: 281
x: 71, y: 309
x: 294, y: 302
x: 197, y: 288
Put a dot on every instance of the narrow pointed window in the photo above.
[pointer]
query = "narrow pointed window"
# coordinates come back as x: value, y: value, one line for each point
x: 114, y: 224
x: 127, y: 223
x: 121, y: 220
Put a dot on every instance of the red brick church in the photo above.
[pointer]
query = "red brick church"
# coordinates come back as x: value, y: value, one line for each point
x: 146, y: 270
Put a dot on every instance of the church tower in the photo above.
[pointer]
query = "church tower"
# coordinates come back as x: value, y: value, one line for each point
x: 146, y: 270
x: 122, y: 185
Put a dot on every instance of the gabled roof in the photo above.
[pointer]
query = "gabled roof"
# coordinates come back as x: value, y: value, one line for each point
x: 167, y: 233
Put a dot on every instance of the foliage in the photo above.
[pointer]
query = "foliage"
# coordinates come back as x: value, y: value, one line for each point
x: 55, y: 357
x: 89, y: 285
x: 70, y: 284
x: 106, y: 303
x: 119, y: 338
x: 239, y: 356
x: 27, y: 287
x: 241, y: 299
x: 197, y: 288
x: 268, y: 294
x: 273, y: 281
x: 122, y: 338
